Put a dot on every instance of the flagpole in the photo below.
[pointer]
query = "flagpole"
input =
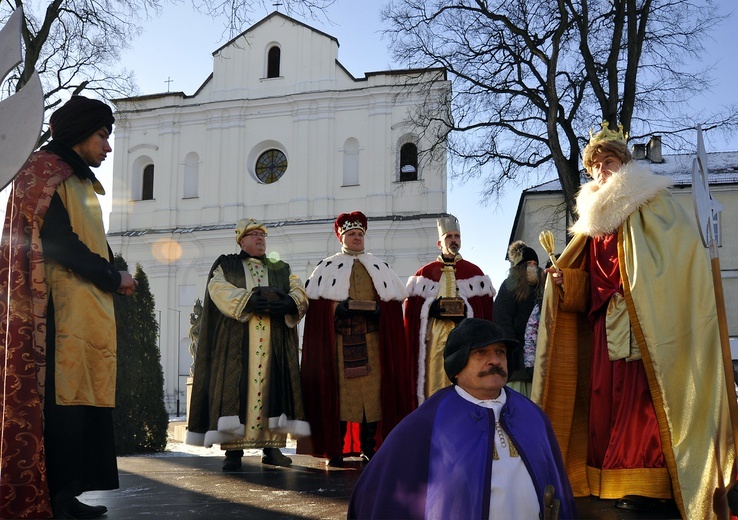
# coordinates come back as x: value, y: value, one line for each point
x: 705, y: 209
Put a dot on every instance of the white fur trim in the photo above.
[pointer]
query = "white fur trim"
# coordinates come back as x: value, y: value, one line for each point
x: 468, y: 287
x: 476, y: 286
x: 295, y: 429
x: 421, y: 286
x: 229, y: 429
x: 195, y: 439
x: 230, y: 424
x: 216, y: 437
x: 422, y: 350
x: 331, y: 278
x: 602, y: 209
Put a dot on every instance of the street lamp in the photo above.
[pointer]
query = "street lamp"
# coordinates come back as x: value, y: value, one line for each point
x: 179, y: 322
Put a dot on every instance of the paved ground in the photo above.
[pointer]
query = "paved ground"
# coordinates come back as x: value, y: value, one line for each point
x: 187, y: 483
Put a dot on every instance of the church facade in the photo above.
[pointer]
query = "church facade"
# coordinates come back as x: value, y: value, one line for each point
x: 281, y: 132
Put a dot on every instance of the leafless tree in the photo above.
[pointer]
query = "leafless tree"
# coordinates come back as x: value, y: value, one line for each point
x: 241, y: 13
x: 531, y: 77
x: 76, y: 45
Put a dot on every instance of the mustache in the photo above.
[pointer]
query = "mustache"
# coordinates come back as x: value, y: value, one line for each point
x: 493, y: 370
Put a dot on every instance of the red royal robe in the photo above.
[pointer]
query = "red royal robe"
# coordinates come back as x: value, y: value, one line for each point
x: 474, y: 287
x: 319, y: 373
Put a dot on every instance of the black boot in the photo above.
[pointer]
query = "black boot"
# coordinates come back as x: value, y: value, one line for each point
x: 65, y: 507
x: 232, y: 460
x: 336, y: 461
x: 644, y: 504
x: 275, y: 457
x: 367, y: 433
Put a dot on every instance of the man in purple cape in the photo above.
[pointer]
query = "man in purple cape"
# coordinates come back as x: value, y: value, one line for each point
x: 475, y: 450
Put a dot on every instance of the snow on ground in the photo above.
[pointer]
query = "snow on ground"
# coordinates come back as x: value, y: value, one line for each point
x: 176, y: 448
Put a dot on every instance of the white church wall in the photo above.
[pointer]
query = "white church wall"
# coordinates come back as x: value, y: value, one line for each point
x: 309, y: 113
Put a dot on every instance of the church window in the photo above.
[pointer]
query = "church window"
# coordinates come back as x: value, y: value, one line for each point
x: 408, y: 162
x: 270, y: 166
x: 147, y: 188
x: 273, y: 62
x: 351, y: 162
x: 191, y: 175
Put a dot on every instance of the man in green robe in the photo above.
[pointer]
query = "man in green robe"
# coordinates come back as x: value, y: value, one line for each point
x: 246, y: 384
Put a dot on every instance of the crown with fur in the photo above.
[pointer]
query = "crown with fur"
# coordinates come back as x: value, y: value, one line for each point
x: 348, y: 221
x: 607, y: 135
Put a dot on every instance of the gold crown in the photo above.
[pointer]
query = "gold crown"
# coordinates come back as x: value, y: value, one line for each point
x: 607, y: 135
x: 351, y: 224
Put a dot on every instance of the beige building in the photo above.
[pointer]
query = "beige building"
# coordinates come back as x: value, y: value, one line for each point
x: 281, y: 132
x: 542, y: 207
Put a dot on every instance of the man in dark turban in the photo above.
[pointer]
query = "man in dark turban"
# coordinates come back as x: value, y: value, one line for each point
x: 58, y: 361
x: 476, y: 449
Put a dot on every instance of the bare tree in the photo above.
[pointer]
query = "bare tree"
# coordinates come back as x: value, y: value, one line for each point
x: 240, y: 13
x: 530, y: 77
x: 76, y: 45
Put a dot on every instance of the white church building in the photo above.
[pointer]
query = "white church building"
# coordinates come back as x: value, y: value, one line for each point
x: 281, y: 132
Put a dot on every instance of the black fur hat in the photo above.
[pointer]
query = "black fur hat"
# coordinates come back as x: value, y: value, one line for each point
x: 469, y: 334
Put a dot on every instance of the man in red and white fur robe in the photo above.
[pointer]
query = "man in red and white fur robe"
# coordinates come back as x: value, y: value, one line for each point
x: 450, y: 276
x: 356, y: 372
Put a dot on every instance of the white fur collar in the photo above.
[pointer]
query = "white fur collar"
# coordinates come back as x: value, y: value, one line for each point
x: 602, y: 209
x: 331, y: 278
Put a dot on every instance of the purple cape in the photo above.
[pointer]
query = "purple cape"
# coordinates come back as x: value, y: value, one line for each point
x: 437, y: 462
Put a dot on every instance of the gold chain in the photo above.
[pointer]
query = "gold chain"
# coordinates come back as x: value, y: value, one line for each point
x: 503, y: 444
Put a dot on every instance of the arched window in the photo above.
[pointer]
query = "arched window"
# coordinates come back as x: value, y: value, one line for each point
x: 408, y: 162
x: 351, y: 162
x: 191, y: 175
x: 273, y: 58
x: 147, y: 187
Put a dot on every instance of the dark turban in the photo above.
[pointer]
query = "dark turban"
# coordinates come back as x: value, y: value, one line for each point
x: 79, y: 118
x: 470, y: 334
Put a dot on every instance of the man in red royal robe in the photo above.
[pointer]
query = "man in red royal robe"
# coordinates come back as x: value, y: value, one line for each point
x: 355, y: 361
x: 427, y: 324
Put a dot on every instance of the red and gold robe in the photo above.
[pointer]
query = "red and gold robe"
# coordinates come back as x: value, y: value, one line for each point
x: 660, y: 425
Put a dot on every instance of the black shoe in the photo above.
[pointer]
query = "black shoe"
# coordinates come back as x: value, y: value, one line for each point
x: 275, y: 457
x: 639, y: 503
x: 335, y: 462
x: 231, y: 463
x: 366, y: 456
x: 76, y: 509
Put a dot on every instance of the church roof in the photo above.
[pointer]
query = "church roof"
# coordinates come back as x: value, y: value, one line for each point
x: 275, y: 14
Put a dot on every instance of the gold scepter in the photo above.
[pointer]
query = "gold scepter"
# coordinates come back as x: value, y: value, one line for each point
x: 546, y: 238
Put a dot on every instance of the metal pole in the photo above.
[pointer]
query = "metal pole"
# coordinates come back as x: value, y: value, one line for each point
x: 179, y: 324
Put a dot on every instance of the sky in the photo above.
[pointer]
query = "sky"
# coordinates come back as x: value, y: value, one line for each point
x: 177, y: 47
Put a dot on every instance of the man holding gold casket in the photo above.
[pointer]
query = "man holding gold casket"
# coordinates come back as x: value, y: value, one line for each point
x: 441, y: 294
x: 355, y: 361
